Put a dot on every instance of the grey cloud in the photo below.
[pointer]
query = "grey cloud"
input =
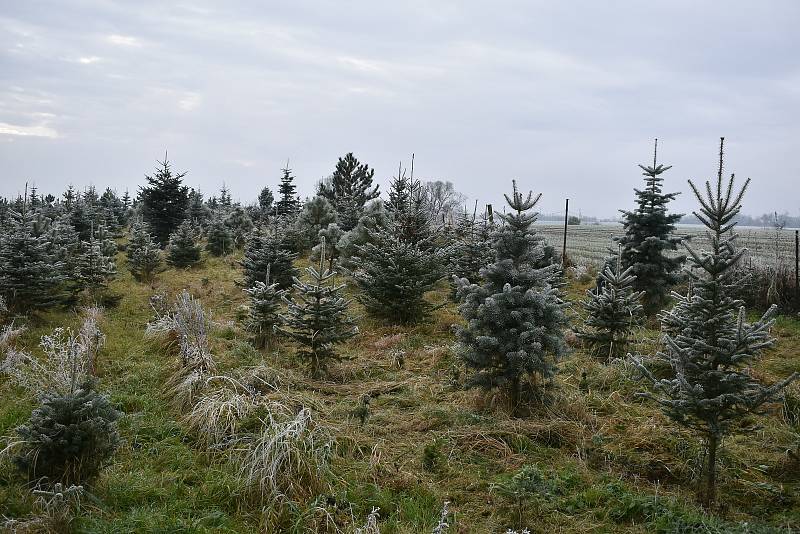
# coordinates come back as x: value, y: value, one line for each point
x: 565, y: 97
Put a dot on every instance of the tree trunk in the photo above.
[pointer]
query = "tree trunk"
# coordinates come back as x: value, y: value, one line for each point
x: 711, y: 472
x: 514, y: 395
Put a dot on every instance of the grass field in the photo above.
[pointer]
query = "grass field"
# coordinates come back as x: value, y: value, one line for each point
x: 592, y: 458
x: 590, y: 243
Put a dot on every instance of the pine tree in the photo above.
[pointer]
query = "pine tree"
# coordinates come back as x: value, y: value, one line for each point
x: 83, y: 217
x: 69, y: 437
x: 265, y: 201
x: 708, y: 343
x: 613, y: 310
x: 144, y: 255
x: 239, y: 223
x: 225, y: 197
x: 197, y: 212
x: 649, y: 239
x: 316, y: 215
x: 69, y: 197
x: 183, y: 250
x: 30, y: 276
x: 349, y: 189
x: 265, y: 252
x: 164, y: 201
x: 219, y: 238
x: 94, y: 269
x: 374, y: 216
x: 394, y: 274
x: 317, y: 317
x: 288, y: 205
x: 516, y: 316
x: 107, y: 244
x: 64, y: 247
x: 412, y: 218
x: 263, y: 315
x: 470, y: 250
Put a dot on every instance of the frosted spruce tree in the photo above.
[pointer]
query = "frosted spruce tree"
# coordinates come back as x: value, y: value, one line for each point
x: 396, y: 266
x: 239, y: 223
x: 515, y: 317
x: 265, y: 252
x: 613, y: 310
x: 708, y: 343
x: 649, y: 242
x: 144, y: 255
x: 183, y: 250
x: 470, y: 250
x: 264, y: 310
x: 93, y: 269
x: 219, y: 238
x: 30, y: 276
x: 317, y: 317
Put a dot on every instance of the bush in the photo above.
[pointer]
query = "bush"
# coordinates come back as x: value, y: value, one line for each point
x: 69, y: 437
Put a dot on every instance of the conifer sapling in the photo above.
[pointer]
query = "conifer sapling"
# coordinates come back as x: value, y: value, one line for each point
x: 708, y: 343
x: 515, y: 317
x: 317, y: 317
x: 183, y: 250
x: 613, y: 310
x: 263, y: 315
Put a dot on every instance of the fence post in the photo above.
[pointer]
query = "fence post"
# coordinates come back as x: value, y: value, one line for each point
x: 564, y: 248
x: 797, y: 268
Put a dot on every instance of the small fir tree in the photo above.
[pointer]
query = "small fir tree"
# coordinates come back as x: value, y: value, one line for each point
x: 30, y: 276
x: 394, y: 274
x: 613, y: 309
x: 197, y: 212
x: 708, y: 343
x: 164, y: 201
x: 515, y: 318
x: 317, y: 317
x: 265, y: 251
x: 263, y: 315
x: 240, y: 224
x: 265, y: 202
x: 470, y: 250
x: 94, y: 269
x: 219, y: 239
x: 69, y: 437
x: 225, y: 200
x: 650, y: 240
x: 144, y: 255
x: 288, y: 205
x: 183, y: 249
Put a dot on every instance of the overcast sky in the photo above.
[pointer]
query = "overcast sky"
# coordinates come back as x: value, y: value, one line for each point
x: 566, y: 97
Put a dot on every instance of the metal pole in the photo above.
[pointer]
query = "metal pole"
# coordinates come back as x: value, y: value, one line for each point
x: 566, y: 220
